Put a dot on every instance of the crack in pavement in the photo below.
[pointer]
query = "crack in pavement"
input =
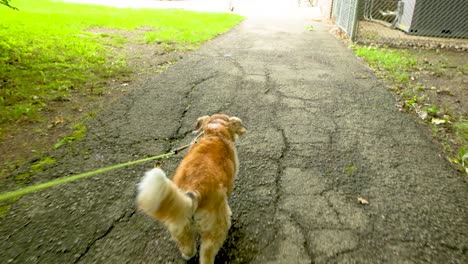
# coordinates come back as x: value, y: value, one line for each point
x: 280, y: 168
x: 339, y: 253
x: 237, y: 65
x: 294, y: 219
x: 331, y: 206
x: 91, y: 244
x: 176, y: 137
x: 271, y: 85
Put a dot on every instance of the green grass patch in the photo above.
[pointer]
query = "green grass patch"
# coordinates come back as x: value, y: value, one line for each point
x: 4, y: 209
x: 79, y: 132
x: 37, y: 167
x: 351, y: 169
x: 461, y: 129
x: 40, y: 165
x: 464, y: 67
x: 47, y: 50
x: 395, y: 62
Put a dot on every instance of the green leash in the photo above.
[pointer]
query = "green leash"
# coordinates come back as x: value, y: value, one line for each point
x: 27, y: 190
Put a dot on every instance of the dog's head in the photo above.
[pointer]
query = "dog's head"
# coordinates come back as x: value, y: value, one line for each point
x: 220, y: 123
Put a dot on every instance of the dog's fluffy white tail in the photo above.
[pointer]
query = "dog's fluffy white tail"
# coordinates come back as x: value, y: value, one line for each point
x: 160, y: 198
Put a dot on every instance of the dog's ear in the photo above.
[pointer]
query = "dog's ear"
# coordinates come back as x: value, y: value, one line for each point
x: 236, y: 125
x: 200, y: 122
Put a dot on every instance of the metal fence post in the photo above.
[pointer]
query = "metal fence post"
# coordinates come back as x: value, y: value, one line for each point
x: 355, y: 23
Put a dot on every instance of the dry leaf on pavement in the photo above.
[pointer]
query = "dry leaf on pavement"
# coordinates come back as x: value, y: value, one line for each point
x: 362, y: 201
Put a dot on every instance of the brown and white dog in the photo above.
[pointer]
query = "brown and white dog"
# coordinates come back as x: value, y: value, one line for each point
x: 196, y: 200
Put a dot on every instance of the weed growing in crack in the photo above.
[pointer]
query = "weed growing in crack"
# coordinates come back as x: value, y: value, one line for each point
x: 351, y: 169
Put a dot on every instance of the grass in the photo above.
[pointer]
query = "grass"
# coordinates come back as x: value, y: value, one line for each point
x: 79, y: 132
x: 36, y: 167
x: 396, y: 63
x: 396, y: 66
x: 4, y: 209
x: 461, y: 128
x: 47, y: 50
x: 23, y: 178
x: 57, y: 59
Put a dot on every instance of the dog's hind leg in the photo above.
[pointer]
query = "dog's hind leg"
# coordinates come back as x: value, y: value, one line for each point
x: 213, y: 228
x: 184, y: 235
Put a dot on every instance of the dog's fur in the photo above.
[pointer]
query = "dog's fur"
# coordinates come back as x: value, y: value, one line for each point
x: 196, y: 199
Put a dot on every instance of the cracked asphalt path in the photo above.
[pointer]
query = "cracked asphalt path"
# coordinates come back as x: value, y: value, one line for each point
x: 323, y: 131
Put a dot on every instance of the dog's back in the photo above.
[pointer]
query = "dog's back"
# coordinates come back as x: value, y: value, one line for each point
x: 210, y: 167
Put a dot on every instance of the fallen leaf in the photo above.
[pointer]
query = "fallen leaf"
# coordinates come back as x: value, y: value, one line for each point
x: 437, y: 121
x: 422, y: 114
x: 59, y: 120
x: 362, y: 201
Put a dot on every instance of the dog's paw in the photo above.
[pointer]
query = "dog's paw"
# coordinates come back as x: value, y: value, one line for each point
x: 185, y: 257
x: 188, y: 253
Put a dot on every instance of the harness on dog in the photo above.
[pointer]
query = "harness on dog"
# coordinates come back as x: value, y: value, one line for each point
x: 194, y: 141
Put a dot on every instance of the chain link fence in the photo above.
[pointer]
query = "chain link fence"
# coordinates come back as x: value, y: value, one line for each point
x: 345, y: 14
x: 404, y: 23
